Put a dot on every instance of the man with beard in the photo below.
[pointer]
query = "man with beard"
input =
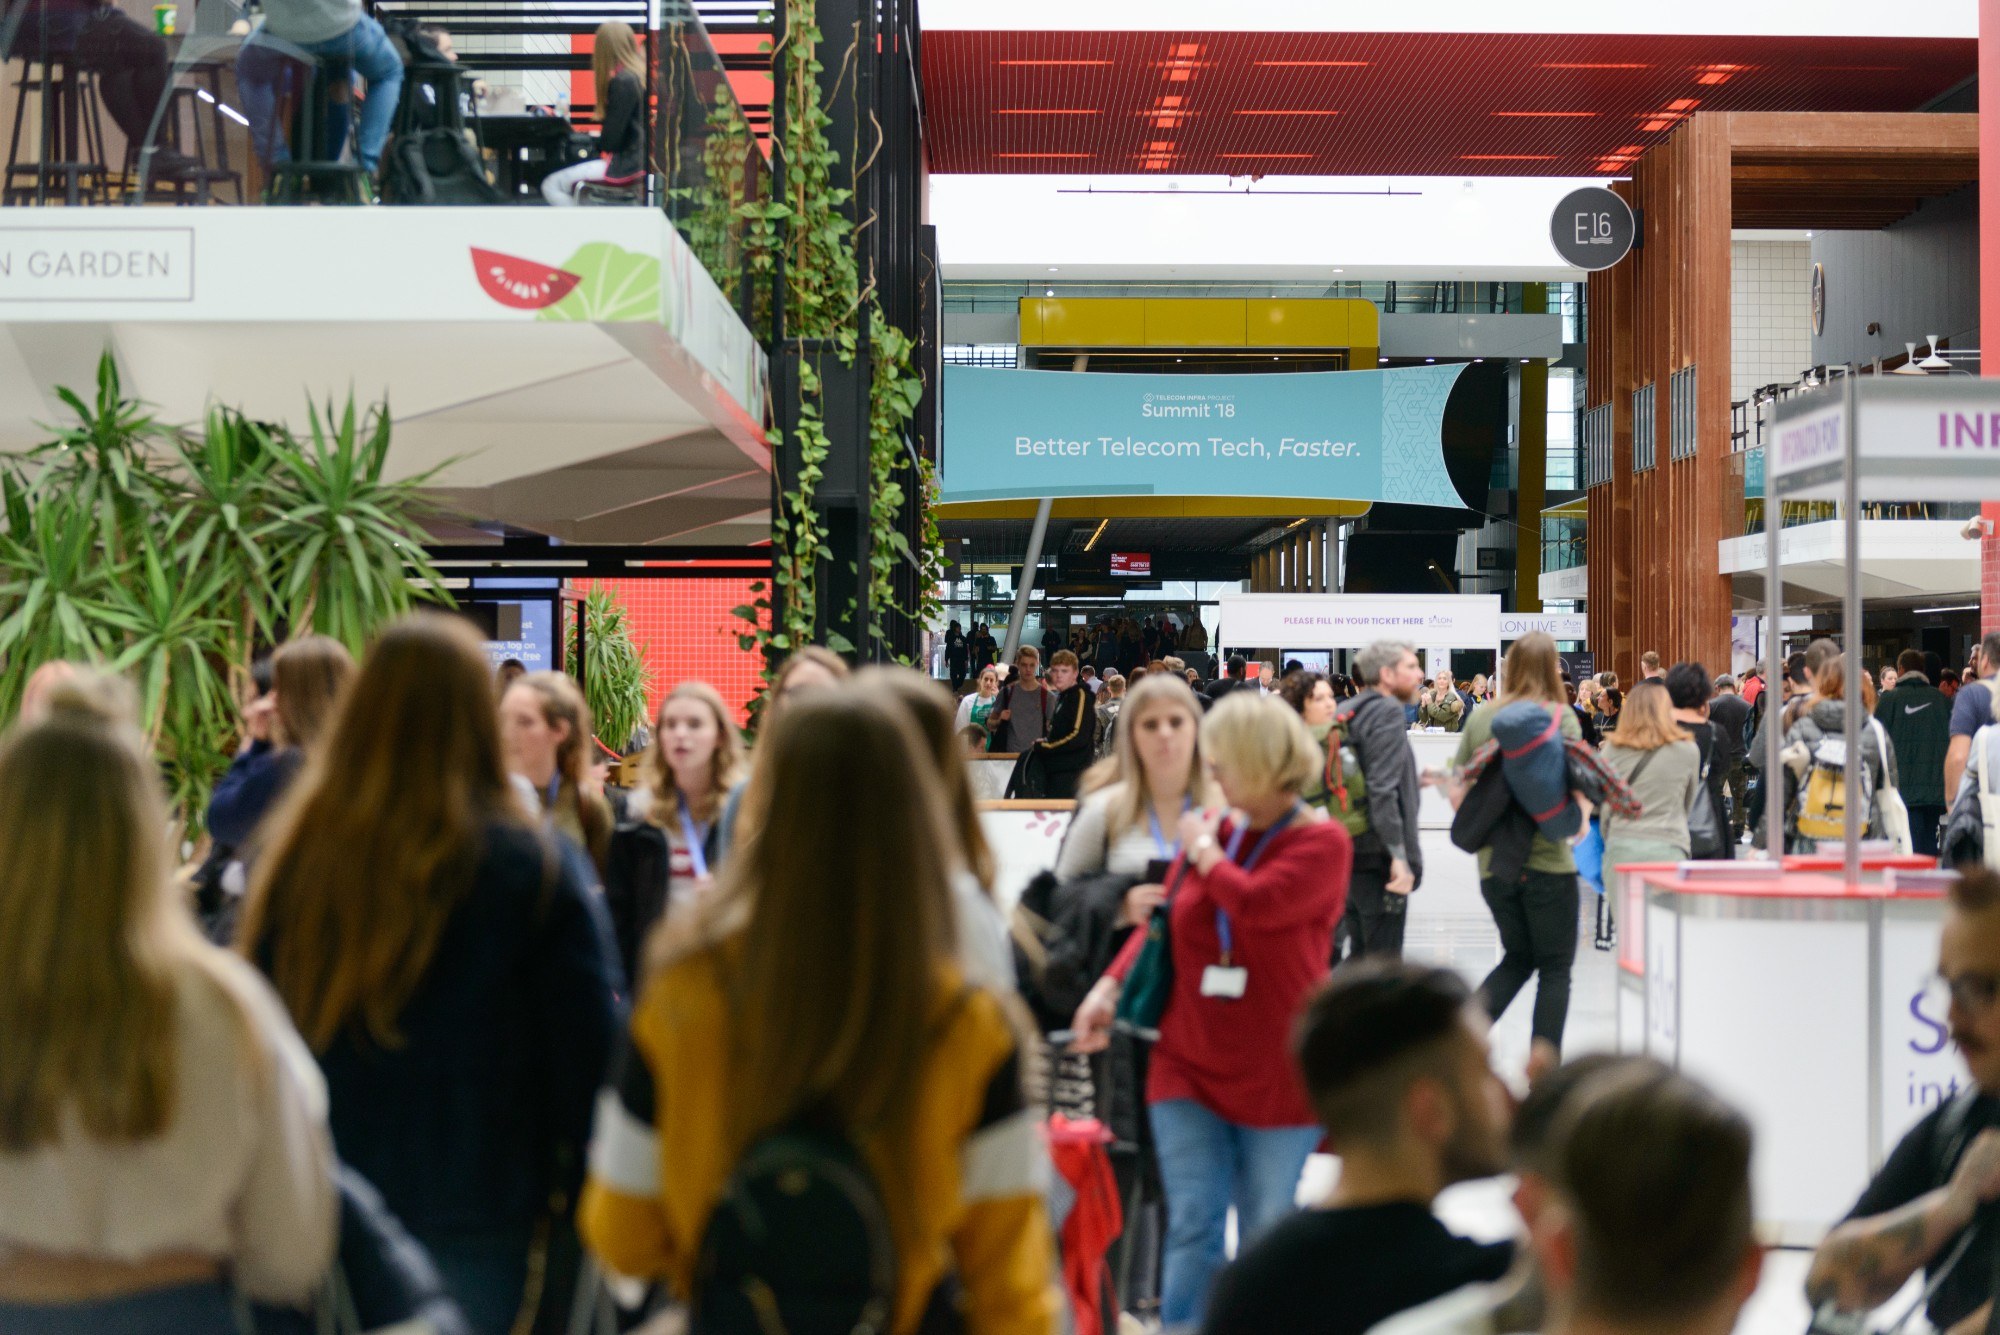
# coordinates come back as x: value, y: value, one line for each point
x: 1395, y: 1059
x: 1942, y: 1180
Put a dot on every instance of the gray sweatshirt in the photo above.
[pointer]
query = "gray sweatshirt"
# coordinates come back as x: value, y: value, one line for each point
x: 1382, y: 745
x: 1665, y: 789
x: 305, y: 21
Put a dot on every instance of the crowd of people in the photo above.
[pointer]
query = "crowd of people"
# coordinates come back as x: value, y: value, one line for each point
x: 442, y: 1027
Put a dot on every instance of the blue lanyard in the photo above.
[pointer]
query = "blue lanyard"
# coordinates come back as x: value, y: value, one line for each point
x: 1249, y: 863
x: 693, y: 834
x: 555, y: 790
x: 1166, y: 850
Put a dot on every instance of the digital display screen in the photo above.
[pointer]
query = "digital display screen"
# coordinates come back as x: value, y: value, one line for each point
x: 1132, y: 565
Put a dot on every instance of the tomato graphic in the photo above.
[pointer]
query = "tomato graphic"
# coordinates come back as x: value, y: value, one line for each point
x: 526, y: 285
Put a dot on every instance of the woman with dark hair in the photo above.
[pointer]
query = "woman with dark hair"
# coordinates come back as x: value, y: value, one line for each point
x: 545, y: 723
x: 444, y: 962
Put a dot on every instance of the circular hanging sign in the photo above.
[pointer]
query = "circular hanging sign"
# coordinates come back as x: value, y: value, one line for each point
x: 1819, y: 300
x: 1593, y: 228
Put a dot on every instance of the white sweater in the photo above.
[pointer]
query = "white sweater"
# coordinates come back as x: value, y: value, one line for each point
x: 243, y: 1171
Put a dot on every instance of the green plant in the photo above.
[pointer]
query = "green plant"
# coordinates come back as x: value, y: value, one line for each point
x: 347, y: 539
x: 893, y: 393
x: 615, y: 678
x: 171, y: 557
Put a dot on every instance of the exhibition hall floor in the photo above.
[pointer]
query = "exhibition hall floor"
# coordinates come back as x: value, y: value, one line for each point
x: 1449, y: 925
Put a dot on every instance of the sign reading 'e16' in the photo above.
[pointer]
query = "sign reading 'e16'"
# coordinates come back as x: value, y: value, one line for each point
x: 1593, y: 228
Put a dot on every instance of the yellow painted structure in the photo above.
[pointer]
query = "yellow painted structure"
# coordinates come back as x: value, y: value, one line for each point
x: 1294, y: 323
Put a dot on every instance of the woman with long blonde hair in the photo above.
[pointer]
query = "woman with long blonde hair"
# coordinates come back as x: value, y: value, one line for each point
x: 1662, y: 766
x: 618, y: 68
x: 1535, y: 912
x: 443, y: 960
x: 819, y: 987
x: 1132, y: 803
x: 545, y: 725
x: 667, y: 859
x: 162, y: 1130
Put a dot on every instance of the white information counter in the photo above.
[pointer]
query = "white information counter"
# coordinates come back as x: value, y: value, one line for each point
x: 1774, y: 992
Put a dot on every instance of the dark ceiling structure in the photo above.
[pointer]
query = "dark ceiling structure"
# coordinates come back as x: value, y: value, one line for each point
x: 1383, y: 104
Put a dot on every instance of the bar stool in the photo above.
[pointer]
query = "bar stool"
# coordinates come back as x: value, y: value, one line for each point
x: 192, y: 185
x: 309, y: 176
x: 624, y: 191
x: 69, y: 148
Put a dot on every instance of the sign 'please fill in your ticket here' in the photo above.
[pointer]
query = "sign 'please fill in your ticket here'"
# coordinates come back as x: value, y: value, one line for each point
x: 1339, y: 435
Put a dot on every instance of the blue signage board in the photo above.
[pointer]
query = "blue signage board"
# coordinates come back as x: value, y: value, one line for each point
x: 1336, y: 435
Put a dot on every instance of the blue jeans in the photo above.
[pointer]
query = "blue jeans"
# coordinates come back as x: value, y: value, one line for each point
x: 1207, y: 1165
x: 262, y: 68
x: 190, y: 1309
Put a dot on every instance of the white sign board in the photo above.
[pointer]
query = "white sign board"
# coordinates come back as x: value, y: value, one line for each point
x: 1914, y: 438
x: 1355, y: 620
x: 1920, y: 1068
x: 96, y: 264
x: 1555, y: 625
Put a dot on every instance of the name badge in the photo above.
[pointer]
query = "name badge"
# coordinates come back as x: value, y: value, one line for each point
x: 1220, y: 980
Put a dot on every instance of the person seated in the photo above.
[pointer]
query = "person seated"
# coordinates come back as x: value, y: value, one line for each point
x: 129, y: 60
x: 621, y: 114
x: 335, y: 30
x: 1396, y: 1061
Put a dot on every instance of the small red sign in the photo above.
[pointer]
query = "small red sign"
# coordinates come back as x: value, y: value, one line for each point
x: 1132, y: 565
x: 525, y: 285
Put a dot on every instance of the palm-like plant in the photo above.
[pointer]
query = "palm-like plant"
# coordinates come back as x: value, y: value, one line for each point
x: 615, y: 678
x: 343, y: 535
x: 172, y: 557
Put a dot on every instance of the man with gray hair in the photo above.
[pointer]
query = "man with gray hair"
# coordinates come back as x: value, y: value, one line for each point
x: 1388, y: 860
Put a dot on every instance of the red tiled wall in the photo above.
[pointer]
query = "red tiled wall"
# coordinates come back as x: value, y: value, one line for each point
x: 684, y: 629
x: 1989, y: 572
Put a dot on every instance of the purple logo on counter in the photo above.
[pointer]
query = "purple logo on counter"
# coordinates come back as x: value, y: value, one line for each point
x: 1958, y: 430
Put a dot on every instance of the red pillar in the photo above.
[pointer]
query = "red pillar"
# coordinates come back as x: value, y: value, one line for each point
x: 1989, y: 277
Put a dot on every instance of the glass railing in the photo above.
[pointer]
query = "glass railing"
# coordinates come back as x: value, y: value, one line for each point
x: 1793, y: 514
x: 422, y: 102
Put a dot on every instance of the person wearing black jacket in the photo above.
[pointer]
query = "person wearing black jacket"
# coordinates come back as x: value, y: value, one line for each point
x: 1917, y: 718
x: 1729, y: 716
x: 1388, y: 858
x: 621, y: 113
x: 1071, y: 746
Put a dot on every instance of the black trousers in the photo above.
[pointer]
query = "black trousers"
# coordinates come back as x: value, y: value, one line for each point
x: 1924, y: 828
x: 131, y: 64
x: 1537, y: 917
x: 1374, y: 919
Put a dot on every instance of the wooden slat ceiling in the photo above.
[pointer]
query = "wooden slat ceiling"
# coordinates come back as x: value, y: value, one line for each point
x: 1267, y: 103
x: 1845, y: 171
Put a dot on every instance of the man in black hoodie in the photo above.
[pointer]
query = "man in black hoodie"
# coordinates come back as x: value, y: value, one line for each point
x: 1917, y: 717
x: 1071, y: 745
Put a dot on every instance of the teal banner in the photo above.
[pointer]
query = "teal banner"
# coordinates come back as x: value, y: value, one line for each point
x: 1323, y: 436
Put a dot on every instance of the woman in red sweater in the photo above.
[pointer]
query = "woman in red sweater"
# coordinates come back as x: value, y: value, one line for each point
x: 1255, y: 905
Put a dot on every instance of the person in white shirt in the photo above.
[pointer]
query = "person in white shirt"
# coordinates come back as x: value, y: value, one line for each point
x: 163, y: 1138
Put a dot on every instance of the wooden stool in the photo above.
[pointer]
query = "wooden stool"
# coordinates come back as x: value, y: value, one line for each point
x: 69, y: 152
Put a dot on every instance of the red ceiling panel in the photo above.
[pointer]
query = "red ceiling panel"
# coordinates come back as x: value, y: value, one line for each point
x: 1382, y: 104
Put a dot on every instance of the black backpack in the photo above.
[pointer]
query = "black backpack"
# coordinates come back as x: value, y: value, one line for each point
x: 436, y: 167
x: 799, y: 1244
x: 1077, y: 923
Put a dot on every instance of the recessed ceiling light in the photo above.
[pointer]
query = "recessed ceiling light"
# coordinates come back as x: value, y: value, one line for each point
x: 1054, y: 268
x: 1340, y: 271
x: 1430, y: 359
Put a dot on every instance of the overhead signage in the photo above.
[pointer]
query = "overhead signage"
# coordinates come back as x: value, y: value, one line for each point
x: 1337, y: 435
x: 1356, y: 620
x: 1593, y: 228
x: 1933, y: 438
x: 1132, y: 565
x: 96, y: 264
x: 1556, y: 625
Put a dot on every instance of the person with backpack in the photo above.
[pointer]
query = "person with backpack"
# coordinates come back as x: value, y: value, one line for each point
x: 1917, y: 718
x: 815, y: 1112
x: 1729, y: 718
x: 1020, y: 716
x: 1379, y: 804
x: 1250, y: 908
x: 1688, y: 689
x: 448, y: 966
x: 620, y: 74
x: 1661, y: 764
x: 1931, y: 1205
x: 1535, y: 907
x: 1813, y: 761
x: 163, y: 1141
